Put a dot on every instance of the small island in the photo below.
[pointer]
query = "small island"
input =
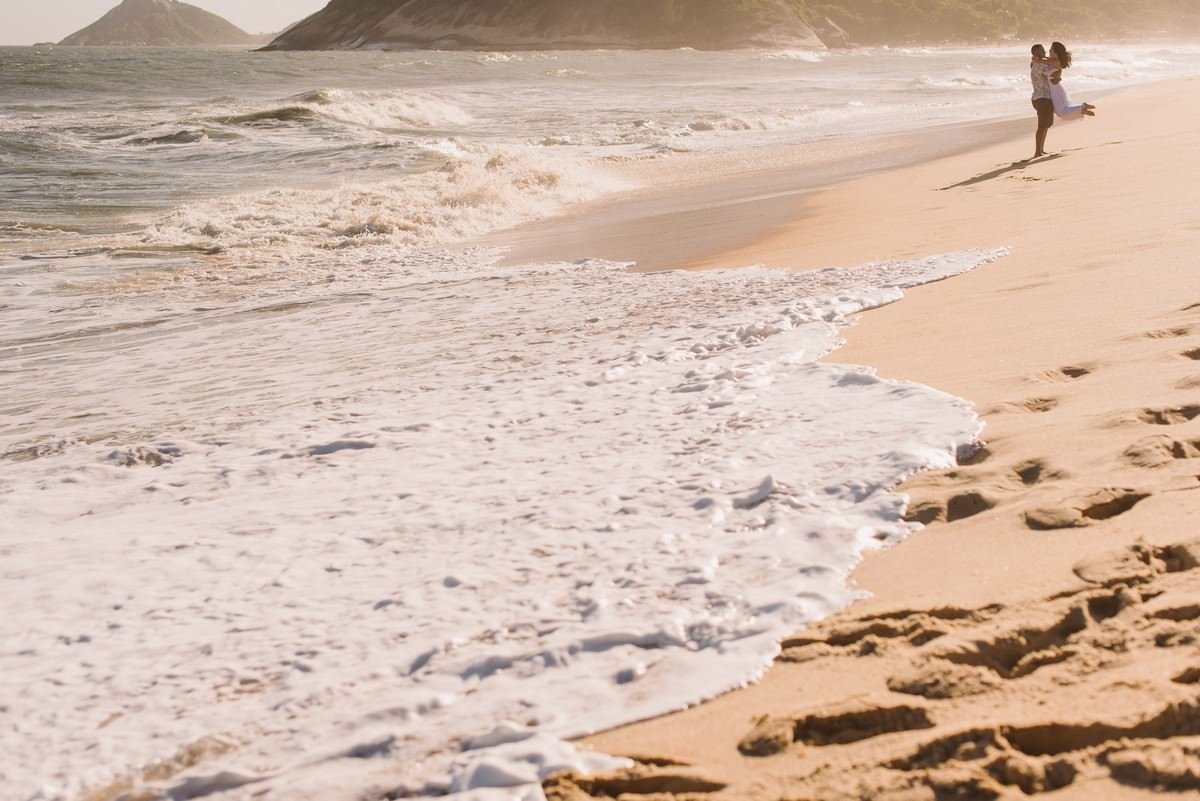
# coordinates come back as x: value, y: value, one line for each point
x: 161, y: 23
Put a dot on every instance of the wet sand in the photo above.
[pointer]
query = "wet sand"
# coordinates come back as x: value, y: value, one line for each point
x: 1039, y: 635
x: 725, y: 202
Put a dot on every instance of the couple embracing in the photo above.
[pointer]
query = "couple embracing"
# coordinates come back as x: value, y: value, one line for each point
x: 1049, y: 95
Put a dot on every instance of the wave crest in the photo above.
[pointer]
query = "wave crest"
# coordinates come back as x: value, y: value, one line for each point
x: 474, y: 190
x: 384, y: 110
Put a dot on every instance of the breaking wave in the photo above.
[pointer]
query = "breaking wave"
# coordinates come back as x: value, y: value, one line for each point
x: 395, y: 109
x: 472, y: 191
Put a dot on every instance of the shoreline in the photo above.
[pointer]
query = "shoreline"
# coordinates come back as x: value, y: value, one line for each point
x: 734, y: 206
x: 1035, y: 636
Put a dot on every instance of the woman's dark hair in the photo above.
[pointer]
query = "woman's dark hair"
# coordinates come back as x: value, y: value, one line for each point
x: 1064, y: 57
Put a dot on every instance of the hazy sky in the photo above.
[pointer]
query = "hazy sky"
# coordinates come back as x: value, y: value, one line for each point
x: 23, y: 22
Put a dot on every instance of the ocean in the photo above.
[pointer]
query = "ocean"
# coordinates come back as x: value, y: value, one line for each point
x: 308, y: 494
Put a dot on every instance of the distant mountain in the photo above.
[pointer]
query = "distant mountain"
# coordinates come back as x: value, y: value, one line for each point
x: 163, y: 23
x: 550, y: 24
x: 724, y: 24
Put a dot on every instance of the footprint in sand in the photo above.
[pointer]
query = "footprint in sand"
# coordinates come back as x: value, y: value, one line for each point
x: 966, y: 714
x: 1101, y: 504
x: 1036, y: 471
x: 987, y: 491
x: 833, y: 727
x: 1137, y: 598
x: 1034, y: 405
x: 976, y: 455
x: 647, y: 779
x: 1168, y: 333
x: 1161, y: 450
x: 1039, y: 405
x: 946, y: 510
x: 1050, y: 756
x: 1189, y: 676
x: 1170, y: 416
x: 1072, y: 372
x: 1140, y: 563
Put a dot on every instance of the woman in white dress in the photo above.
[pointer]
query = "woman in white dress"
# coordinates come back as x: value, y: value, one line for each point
x: 1060, y: 58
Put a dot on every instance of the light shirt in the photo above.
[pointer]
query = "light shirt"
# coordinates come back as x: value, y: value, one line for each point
x: 1039, y: 75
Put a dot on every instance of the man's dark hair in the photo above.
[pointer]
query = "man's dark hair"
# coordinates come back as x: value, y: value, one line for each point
x: 1037, y: 50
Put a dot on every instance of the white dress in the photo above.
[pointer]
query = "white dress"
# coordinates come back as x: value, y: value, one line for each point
x: 1062, y: 103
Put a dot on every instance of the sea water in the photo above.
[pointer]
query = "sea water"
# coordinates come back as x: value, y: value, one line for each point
x: 304, y: 495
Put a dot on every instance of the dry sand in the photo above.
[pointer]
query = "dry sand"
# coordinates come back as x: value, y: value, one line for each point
x: 1042, y: 634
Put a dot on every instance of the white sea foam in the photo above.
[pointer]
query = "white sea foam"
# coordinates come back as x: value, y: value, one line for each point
x: 812, y: 56
x: 476, y: 189
x: 763, y: 122
x: 298, y: 505
x: 514, y: 57
x: 309, y: 548
x: 389, y: 109
x: 974, y: 81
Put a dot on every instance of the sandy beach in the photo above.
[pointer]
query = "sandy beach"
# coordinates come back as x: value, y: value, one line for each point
x: 309, y: 496
x: 1039, y: 636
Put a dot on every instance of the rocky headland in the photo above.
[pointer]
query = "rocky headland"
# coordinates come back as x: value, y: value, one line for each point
x: 550, y: 24
x: 722, y: 24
